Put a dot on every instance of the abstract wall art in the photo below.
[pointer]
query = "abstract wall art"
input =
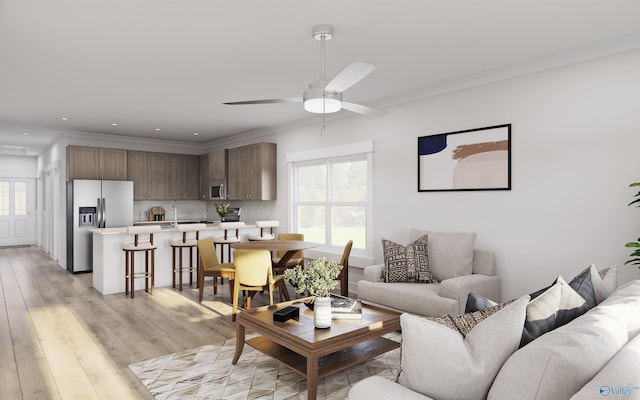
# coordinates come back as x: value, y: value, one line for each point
x: 474, y: 159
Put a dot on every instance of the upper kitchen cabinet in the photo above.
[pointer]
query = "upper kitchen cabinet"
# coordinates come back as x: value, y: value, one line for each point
x: 191, y: 177
x: 204, y: 177
x: 84, y: 162
x: 164, y: 176
x: 218, y: 164
x: 137, y: 172
x: 252, y: 172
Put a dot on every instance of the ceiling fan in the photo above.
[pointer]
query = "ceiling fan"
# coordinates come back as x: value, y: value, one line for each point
x: 324, y: 96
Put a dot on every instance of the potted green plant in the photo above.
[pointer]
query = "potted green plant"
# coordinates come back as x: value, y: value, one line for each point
x: 318, y: 278
x: 635, y: 255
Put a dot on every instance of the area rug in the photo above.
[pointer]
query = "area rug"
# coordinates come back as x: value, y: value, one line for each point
x: 207, y: 373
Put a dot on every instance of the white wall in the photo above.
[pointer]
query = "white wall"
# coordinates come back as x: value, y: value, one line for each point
x: 575, y: 135
x: 575, y: 141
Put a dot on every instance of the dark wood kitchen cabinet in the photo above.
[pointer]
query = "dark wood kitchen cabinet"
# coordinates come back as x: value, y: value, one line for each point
x: 86, y: 162
x: 252, y: 172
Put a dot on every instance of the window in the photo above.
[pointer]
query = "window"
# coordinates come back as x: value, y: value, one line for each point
x: 331, y: 198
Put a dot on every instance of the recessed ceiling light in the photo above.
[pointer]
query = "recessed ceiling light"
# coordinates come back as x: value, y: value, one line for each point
x: 195, y: 133
x: 64, y: 118
x: 157, y: 129
x: 114, y: 124
x: 26, y: 133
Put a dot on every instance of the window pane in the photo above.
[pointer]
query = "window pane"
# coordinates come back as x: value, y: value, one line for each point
x: 349, y: 181
x: 348, y: 223
x: 4, y: 198
x: 20, y: 198
x: 312, y: 223
x: 312, y: 183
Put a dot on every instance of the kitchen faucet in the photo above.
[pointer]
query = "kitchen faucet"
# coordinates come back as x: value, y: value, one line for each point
x: 175, y: 215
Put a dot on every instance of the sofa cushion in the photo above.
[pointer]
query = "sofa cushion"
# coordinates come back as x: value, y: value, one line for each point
x: 619, y: 377
x: 408, y: 263
x: 440, y: 363
x: 422, y: 299
x: 554, y: 307
x: 558, y: 364
x: 450, y: 254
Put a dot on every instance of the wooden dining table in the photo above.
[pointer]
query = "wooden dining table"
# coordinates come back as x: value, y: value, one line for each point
x: 290, y: 247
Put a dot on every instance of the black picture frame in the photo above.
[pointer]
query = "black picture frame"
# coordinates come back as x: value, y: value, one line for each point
x: 473, y: 159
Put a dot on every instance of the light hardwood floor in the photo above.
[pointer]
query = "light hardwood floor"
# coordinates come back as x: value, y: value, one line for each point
x: 61, y: 339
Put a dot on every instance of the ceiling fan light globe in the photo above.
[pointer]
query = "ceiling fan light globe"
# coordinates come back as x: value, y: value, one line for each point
x: 322, y: 105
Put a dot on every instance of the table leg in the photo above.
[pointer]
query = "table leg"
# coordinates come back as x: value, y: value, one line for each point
x: 279, y: 268
x: 312, y: 378
x: 239, y: 342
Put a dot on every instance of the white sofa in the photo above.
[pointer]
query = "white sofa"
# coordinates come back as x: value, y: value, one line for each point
x: 595, y: 356
x: 449, y: 254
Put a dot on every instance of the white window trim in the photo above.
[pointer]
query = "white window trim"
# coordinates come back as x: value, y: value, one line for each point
x: 346, y: 150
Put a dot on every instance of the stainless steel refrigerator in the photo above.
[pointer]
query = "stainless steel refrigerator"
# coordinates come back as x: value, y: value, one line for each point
x: 94, y: 204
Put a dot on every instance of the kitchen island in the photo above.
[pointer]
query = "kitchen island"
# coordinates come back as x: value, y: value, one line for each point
x: 109, y: 261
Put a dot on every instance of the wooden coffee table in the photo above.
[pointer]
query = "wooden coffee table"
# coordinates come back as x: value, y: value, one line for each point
x: 316, y: 353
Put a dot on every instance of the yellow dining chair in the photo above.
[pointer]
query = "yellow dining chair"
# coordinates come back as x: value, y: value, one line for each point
x: 298, y: 257
x: 210, y: 266
x: 253, y: 274
x: 344, y: 273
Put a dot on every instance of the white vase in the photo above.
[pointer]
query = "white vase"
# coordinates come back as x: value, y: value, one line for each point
x: 322, y: 312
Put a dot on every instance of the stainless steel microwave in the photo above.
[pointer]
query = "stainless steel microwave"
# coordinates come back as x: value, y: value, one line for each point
x: 218, y: 190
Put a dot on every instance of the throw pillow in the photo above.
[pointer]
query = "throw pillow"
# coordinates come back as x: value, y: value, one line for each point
x: 450, y: 254
x: 463, y: 324
x: 583, y: 285
x: 610, y: 277
x: 458, y: 367
x: 475, y: 302
x: 600, y: 288
x: 407, y: 263
x: 555, y: 307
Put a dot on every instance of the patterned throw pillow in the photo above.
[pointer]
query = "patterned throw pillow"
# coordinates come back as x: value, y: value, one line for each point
x: 407, y: 263
x: 465, y: 322
x: 610, y: 277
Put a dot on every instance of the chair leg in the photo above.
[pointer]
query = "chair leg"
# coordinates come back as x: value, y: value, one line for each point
x: 190, y: 266
x: 146, y: 271
x: 126, y: 273
x: 215, y: 285
x: 234, y: 302
x: 133, y: 270
x: 200, y: 286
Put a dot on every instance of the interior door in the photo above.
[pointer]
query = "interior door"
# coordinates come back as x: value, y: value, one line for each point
x: 17, y: 211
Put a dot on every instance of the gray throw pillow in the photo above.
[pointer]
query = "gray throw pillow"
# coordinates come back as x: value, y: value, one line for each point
x: 408, y: 263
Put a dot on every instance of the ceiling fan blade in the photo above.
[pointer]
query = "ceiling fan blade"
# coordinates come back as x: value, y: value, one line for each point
x: 361, y: 109
x: 266, y: 101
x: 349, y: 76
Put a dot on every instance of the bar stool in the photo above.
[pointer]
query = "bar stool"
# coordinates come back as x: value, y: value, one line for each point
x: 266, y: 230
x: 230, y: 236
x: 179, y: 244
x: 130, y: 249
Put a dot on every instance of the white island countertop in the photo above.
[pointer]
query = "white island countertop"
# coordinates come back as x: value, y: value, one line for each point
x: 109, y: 260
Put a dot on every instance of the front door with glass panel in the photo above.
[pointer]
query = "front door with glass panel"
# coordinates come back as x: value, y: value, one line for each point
x: 17, y: 211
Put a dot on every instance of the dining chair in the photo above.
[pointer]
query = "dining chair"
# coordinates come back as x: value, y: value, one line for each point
x: 253, y: 275
x: 344, y: 273
x: 298, y: 257
x: 210, y: 266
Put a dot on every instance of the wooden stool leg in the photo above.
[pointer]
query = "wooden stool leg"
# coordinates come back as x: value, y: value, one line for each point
x: 126, y: 273
x: 146, y: 271
x: 133, y: 270
x: 173, y: 266
x: 180, y: 272
x: 153, y: 271
x: 190, y: 266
